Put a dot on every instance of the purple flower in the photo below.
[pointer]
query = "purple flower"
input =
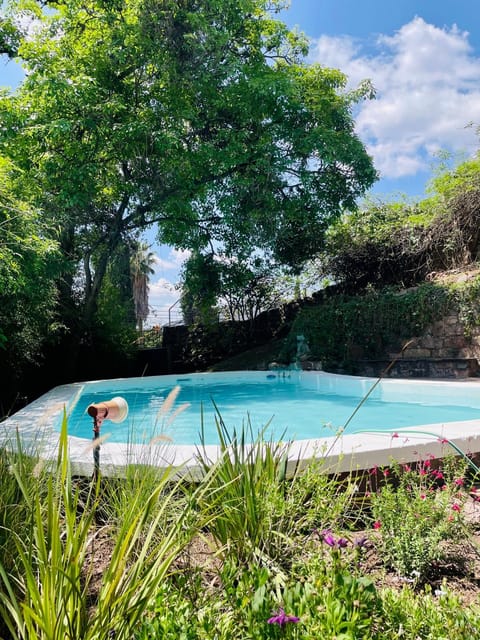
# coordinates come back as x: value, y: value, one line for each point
x: 360, y: 542
x: 281, y: 618
x: 329, y: 539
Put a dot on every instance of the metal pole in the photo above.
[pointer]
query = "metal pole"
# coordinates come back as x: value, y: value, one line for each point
x: 98, y: 416
x: 96, y: 448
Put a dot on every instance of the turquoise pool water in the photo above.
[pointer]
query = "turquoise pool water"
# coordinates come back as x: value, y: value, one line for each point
x: 296, y: 406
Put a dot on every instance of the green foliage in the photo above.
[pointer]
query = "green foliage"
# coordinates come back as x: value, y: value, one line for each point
x: 29, y: 263
x: 9, y: 37
x: 238, y: 290
x: 343, y: 328
x: 22, y: 476
x: 141, y: 268
x: 415, y: 515
x: 114, y: 329
x: 411, y: 615
x: 247, y: 489
x: 255, y: 510
x: 327, y: 604
x: 47, y: 593
x: 451, y: 183
x: 155, y: 585
x: 201, y: 281
x: 192, y: 116
x: 385, y: 243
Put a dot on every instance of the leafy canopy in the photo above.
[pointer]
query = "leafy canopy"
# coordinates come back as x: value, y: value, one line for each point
x: 197, y: 116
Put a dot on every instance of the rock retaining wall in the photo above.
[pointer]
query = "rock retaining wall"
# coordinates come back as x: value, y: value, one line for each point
x: 445, y: 350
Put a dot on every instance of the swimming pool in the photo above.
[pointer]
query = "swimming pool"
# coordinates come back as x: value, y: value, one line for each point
x: 400, y: 417
x: 291, y: 405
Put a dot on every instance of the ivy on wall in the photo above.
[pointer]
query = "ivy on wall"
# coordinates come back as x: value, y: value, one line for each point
x: 344, y: 329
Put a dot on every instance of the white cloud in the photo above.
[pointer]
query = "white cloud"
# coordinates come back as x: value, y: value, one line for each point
x: 174, y: 260
x: 162, y: 295
x: 428, y: 91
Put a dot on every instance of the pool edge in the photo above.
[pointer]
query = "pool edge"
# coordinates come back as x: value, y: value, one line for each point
x: 347, y: 453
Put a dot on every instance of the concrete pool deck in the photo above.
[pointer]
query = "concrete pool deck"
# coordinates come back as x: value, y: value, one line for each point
x: 35, y: 425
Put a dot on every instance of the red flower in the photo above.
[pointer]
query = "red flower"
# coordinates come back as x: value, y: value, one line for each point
x: 456, y: 507
x: 377, y: 524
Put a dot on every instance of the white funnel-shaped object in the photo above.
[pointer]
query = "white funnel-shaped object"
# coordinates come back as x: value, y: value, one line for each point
x: 115, y: 410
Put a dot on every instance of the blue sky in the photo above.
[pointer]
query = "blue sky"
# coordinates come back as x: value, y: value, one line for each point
x: 423, y: 57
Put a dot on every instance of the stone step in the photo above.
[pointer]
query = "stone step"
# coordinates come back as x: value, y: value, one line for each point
x: 421, y: 367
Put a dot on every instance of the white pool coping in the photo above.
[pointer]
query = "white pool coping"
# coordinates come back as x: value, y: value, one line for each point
x: 35, y: 426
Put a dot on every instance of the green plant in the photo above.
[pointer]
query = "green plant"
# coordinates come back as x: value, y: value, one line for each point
x: 414, y: 516
x: 427, y: 615
x: 260, y: 501
x: 247, y: 481
x: 48, y: 596
x: 345, y: 327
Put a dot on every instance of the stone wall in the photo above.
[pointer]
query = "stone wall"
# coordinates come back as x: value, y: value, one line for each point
x: 445, y: 350
x: 446, y: 338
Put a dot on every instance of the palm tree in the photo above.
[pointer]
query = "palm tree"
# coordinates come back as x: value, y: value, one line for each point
x: 141, y: 269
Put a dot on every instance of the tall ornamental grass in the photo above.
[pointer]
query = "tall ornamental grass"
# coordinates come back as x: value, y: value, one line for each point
x: 47, y: 593
x: 255, y: 508
x: 292, y: 555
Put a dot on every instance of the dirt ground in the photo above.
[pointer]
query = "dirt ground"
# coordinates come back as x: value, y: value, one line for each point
x: 460, y: 569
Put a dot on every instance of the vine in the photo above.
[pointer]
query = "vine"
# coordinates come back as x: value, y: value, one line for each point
x: 344, y: 329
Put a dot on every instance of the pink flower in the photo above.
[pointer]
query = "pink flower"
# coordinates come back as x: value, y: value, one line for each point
x: 459, y: 482
x: 377, y: 524
x: 443, y: 440
x: 422, y: 496
x: 456, y: 507
x: 395, y: 435
x: 407, y: 467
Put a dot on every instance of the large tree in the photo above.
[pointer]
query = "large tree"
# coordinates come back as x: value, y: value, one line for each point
x: 29, y: 264
x: 197, y: 116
